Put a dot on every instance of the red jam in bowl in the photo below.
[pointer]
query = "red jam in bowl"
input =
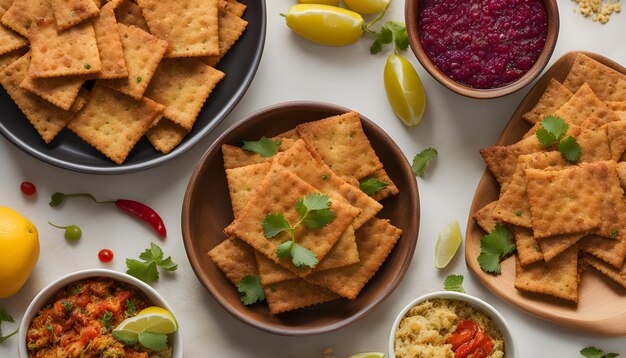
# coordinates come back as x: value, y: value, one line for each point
x: 483, y: 43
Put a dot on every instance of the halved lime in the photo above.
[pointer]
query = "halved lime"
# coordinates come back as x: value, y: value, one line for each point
x: 447, y: 244
x: 152, y: 319
x: 368, y: 355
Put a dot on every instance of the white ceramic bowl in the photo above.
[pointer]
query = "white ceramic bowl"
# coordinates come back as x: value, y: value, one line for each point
x: 49, y: 291
x: 509, y: 346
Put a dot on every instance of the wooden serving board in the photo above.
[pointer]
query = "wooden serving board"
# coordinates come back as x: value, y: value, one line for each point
x: 602, y: 303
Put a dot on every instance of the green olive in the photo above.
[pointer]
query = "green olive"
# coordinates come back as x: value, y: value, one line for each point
x: 72, y: 233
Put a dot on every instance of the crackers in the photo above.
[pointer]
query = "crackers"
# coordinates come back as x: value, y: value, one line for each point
x: 605, y: 82
x: 109, y: 44
x: 552, y: 99
x: 68, y: 13
x: 231, y: 27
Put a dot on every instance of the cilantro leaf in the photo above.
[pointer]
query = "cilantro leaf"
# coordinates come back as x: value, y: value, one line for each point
x: 391, y: 31
x: 555, y: 126
x: 274, y: 224
x: 126, y: 337
x: 265, y: 147
x: 570, y: 149
x: 6, y: 317
x: 494, y: 247
x: 284, y: 250
x: 147, y: 270
x: 316, y: 201
x: 372, y: 186
x: 593, y: 352
x: 301, y: 209
x: 545, y: 138
x: 454, y: 283
x: 153, y: 341
x: 421, y: 160
x: 251, y: 289
x: 385, y: 36
x: 318, y: 218
x: 301, y: 256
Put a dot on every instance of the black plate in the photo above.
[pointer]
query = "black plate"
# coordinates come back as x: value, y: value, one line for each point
x: 70, y: 152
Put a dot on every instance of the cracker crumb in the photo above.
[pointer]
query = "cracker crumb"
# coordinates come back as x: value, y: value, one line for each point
x: 600, y: 10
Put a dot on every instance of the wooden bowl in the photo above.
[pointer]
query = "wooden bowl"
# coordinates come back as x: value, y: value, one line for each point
x: 207, y: 210
x: 411, y: 14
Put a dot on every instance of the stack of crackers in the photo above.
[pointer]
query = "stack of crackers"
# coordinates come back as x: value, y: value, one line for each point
x: 329, y: 156
x: 566, y: 217
x: 117, y: 71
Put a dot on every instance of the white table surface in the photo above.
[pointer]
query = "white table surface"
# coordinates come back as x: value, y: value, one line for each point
x: 294, y: 69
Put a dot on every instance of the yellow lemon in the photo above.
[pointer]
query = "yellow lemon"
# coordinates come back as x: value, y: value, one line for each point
x: 325, y: 24
x: 367, y: 7
x: 19, y: 250
x: 152, y: 319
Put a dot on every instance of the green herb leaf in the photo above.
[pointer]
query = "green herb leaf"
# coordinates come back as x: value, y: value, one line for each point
x: 154, y: 253
x: 6, y: 317
x: 68, y: 306
x: 265, y: 147
x: 372, y: 186
x: 153, y: 341
x: 316, y: 201
x: 106, y: 319
x: 494, y: 247
x: 555, y: 126
x: 126, y: 337
x: 168, y: 264
x: 385, y: 36
x: 301, y: 256
x: 284, y: 250
x: 421, y: 160
x: 570, y: 149
x: 593, y: 352
x: 391, y: 31
x: 251, y: 289
x: 131, y: 308
x: 318, y: 219
x: 453, y: 283
x: 545, y: 138
x: 274, y: 224
x: 147, y: 270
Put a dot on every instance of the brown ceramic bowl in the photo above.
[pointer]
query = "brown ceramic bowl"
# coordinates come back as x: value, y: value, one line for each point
x: 411, y: 14
x: 207, y: 210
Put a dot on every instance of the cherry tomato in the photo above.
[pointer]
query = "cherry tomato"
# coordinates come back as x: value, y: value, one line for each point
x: 404, y: 90
x: 105, y: 255
x: 325, y: 24
x: 28, y: 188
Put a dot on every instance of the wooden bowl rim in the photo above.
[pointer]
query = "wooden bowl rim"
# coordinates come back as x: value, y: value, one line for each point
x: 411, y: 233
x: 411, y: 10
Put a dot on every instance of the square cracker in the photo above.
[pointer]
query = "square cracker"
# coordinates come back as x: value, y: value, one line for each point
x: 113, y: 123
x: 109, y: 44
x: 243, y: 183
x: 182, y: 85
x: 375, y: 240
x: 190, y: 27
x: 565, y: 201
x: 616, y: 133
x: 594, y: 145
x: 235, y: 258
x: 484, y: 217
x: 166, y: 135
x: 60, y: 91
x: 71, y: 52
x: 390, y: 190
x: 270, y: 272
x: 502, y: 160
x: 559, y: 277
x: 231, y: 27
x: 129, y: 14
x: 9, y: 40
x: 278, y: 193
x: 553, y: 246
x: 235, y: 157
x: 607, y: 83
x: 612, y: 204
x: 235, y: 7
x: 608, y: 250
x: 294, y: 294
x: 20, y: 16
x: 342, y: 145
x: 552, y: 99
x: 619, y: 107
x: 8, y: 58
x: 528, y: 249
x: 299, y: 161
x: 617, y: 275
x: 142, y: 54
x: 47, y: 118
x: 68, y: 13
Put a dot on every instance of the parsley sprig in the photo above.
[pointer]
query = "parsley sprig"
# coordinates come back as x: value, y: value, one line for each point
x: 251, y: 289
x: 552, y: 131
x: 593, y: 352
x: 371, y: 186
x: 454, y: 283
x: 314, y: 212
x: 421, y: 160
x: 6, y: 317
x: 265, y: 147
x: 391, y: 32
x: 147, y: 270
x: 495, y: 247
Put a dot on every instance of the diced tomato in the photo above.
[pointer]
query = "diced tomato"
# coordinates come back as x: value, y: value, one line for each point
x: 483, y: 350
x: 465, y: 331
x: 122, y: 296
x: 468, y: 347
x: 87, y: 334
x: 82, y: 300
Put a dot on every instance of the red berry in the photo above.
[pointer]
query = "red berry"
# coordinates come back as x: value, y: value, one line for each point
x: 28, y: 188
x: 105, y: 255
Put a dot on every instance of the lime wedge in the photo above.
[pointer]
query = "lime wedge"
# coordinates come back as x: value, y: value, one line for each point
x: 368, y: 355
x: 152, y: 319
x: 447, y: 244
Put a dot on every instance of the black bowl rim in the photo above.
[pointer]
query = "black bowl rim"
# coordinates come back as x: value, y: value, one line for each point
x: 295, y: 331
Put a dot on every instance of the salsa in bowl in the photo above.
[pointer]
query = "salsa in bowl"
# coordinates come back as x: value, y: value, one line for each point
x: 99, y: 313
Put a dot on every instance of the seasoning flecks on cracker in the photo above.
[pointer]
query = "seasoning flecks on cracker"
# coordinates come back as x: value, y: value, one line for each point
x: 22, y: 13
x: 606, y: 83
x: 68, y: 13
x: 166, y: 135
x: 243, y: 183
x: 528, y: 249
x: 109, y: 44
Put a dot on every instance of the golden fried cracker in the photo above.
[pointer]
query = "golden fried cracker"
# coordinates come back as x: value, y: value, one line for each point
x: 608, y: 84
x: 243, y: 183
x: 71, y: 52
x: 47, y: 118
x: 142, y: 53
x: 551, y: 100
x: 235, y: 157
x: 20, y: 16
x: 608, y: 250
x: 484, y: 217
x: 612, y: 205
x: 616, y: 133
x: 190, y: 27
x: 342, y: 254
x: 235, y: 7
x: 166, y: 135
x: 594, y: 145
x: 8, y: 58
x: 502, y: 160
x: 290, y: 134
x: 293, y: 294
x: 68, y: 13
x: 235, y: 258
x: 60, y: 91
x: 617, y: 275
x: 553, y: 246
x: 112, y: 122
x: 9, y: 40
x: 278, y: 193
x: 390, y: 190
x: 342, y: 145
x: 270, y: 272
x: 182, y: 85
x: 621, y: 174
x: 558, y: 278
x: 375, y: 240
x: 129, y: 14
x: 619, y: 107
x: 528, y: 249
x: 109, y: 44
x: 231, y: 27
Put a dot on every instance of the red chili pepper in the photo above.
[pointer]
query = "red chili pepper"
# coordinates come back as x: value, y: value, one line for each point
x: 142, y: 212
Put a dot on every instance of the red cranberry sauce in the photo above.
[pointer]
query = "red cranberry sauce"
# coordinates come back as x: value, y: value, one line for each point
x: 483, y: 43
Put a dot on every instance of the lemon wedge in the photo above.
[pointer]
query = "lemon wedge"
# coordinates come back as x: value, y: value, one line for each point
x: 152, y: 319
x: 448, y: 243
